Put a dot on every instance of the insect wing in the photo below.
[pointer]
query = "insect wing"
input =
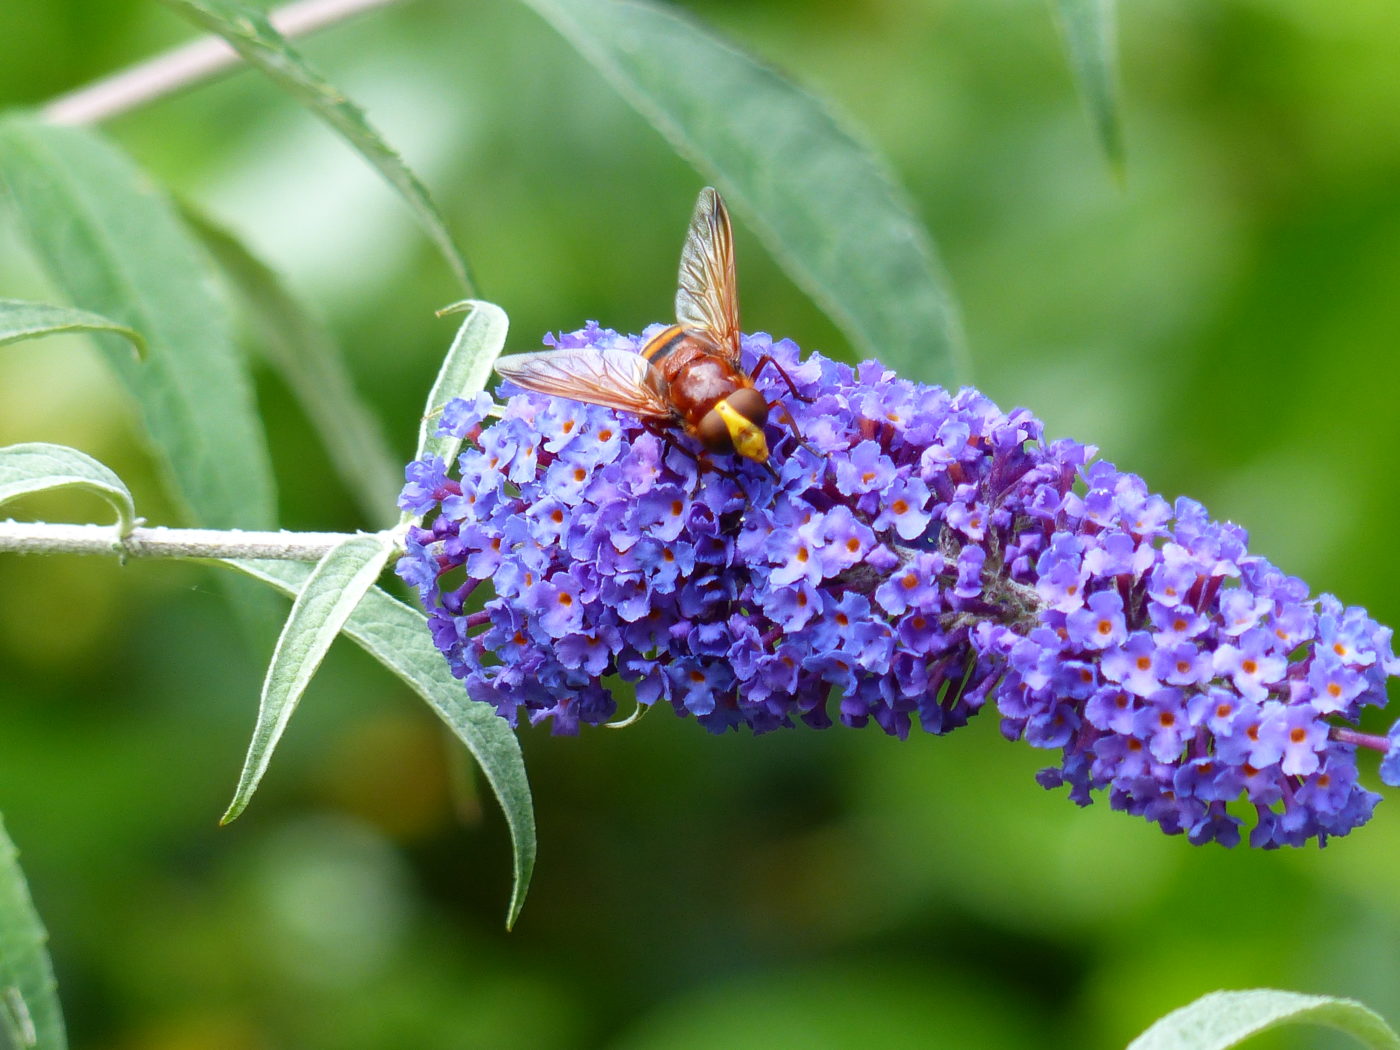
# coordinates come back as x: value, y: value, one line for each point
x: 611, y: 378
x: 706, y: 298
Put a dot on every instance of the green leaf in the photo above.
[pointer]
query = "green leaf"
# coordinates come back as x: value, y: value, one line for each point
x: 29, y: 1012
x: 821, y: 200
x: 25, y: 320
x: 332, y: 590
x: 1090, y: 32
x: 248, y: 32
x: 397, y: 636
x: 464, y: 370
x: 114, y: 244
x: 40, y: 467
x: 1224, y: 1019
x: 303, y: 352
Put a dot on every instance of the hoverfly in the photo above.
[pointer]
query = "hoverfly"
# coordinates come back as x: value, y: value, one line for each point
x: 687, y: 376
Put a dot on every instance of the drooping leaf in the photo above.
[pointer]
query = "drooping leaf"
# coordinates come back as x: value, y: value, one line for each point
x: 820, y: 199
x: 115, y: 245
x: 397, y: 636
x: 248, y: 32
x: 25, y: 320
x: 1091, y: 38
x: 323, y: 604
x: 39, y: 467
x: 30, y: 1016
x: 464, y: 370
x: 304, y: 353
x: 1225, y: 1019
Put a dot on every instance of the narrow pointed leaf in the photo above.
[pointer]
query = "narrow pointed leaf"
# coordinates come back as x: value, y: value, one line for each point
x: 322, y: 606
x: 30, y: 1016
x: 304, y: 353
x: 248, y: 32
x: 397, y: 636
x: 25, y: 320
x: 464, y: 371
x: 1091, y: 38
x: 821, y: 200
x: 40, y: 467
x: 111, y: 241
x: 1225, y: 1019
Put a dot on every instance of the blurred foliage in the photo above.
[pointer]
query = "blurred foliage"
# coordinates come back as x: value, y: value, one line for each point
x: 799, y: 889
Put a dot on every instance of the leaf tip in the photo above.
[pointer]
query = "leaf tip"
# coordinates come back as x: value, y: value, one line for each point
x: 461, y: 306
x: 234, y: 811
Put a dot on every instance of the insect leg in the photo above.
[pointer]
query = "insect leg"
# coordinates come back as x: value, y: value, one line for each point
x: 702, y: 460
x: 768, y: 359
x: 791, y: 424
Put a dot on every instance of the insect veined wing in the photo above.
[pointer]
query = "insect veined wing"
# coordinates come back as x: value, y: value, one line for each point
x: 612, y: 378
x: 706, y: 297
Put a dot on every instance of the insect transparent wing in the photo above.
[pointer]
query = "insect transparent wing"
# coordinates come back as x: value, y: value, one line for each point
x: 706, y: 298
x: 612, y: 378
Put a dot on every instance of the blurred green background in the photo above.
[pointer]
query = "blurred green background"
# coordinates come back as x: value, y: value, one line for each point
x: 1224, y: 324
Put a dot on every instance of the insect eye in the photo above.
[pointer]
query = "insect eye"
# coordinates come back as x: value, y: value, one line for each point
x: 750, y: 404
x: 713, y: 434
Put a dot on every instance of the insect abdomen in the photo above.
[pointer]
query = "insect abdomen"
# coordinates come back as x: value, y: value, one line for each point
x: 664, y: 343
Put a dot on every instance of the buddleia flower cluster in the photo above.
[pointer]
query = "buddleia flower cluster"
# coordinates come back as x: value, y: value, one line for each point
x: 914, y: 555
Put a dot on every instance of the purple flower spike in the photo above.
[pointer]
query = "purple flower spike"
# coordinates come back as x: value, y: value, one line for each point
x: 917, y: 554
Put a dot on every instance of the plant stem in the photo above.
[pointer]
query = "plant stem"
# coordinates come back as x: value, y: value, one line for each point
x: 1359, y: 739
x: 189, y: 64
x: 31, y: 537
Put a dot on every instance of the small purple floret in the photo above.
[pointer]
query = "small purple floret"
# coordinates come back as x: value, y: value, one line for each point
x: 920, y: 554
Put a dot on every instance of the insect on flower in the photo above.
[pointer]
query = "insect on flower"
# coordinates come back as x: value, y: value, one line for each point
x: 688, y: 376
